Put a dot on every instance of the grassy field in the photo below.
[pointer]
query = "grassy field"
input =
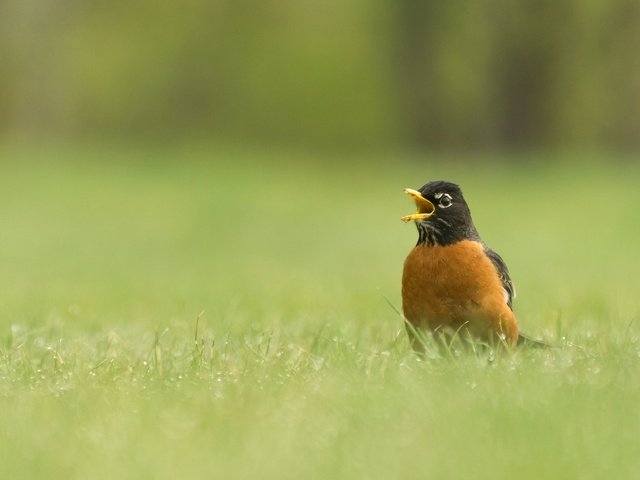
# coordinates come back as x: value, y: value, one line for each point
x: 221, y: 314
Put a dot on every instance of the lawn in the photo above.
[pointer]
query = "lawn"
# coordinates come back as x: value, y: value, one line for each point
x: 222, y: 313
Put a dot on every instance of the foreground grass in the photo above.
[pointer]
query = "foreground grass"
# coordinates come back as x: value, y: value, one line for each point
x: 169, y: 315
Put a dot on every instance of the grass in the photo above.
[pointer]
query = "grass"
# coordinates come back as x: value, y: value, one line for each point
x: 220, y: 314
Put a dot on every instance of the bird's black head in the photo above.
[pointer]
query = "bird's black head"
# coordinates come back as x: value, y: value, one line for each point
x: 443, y: 216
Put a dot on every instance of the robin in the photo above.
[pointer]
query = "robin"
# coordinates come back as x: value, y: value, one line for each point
x: 452, y: 282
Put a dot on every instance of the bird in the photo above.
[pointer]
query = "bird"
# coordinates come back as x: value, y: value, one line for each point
x: 453, y: 284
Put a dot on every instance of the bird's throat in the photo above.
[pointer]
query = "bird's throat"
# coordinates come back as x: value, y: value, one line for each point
x: 441, y: 232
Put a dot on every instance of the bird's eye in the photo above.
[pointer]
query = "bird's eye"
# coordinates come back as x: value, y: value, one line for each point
x: 445, y: 201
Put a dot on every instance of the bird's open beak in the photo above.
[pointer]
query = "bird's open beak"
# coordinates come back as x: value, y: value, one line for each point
x: 425, y: 207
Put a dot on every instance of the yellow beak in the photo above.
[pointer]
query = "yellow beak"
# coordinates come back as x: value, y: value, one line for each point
x: 425, y: 207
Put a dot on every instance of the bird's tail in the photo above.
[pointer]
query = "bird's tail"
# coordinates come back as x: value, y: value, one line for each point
x: 525, y: 340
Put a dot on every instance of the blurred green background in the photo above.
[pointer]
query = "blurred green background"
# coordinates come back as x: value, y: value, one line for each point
x: 349, y: 73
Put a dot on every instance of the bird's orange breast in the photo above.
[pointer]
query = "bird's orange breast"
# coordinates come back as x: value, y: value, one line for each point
x: 456, y: 286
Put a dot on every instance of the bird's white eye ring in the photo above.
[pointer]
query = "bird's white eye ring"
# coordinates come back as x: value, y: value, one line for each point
x: 445, y: 201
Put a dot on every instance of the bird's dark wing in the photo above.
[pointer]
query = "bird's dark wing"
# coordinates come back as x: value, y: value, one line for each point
x: 503, y: 272
x: 510, y: 294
